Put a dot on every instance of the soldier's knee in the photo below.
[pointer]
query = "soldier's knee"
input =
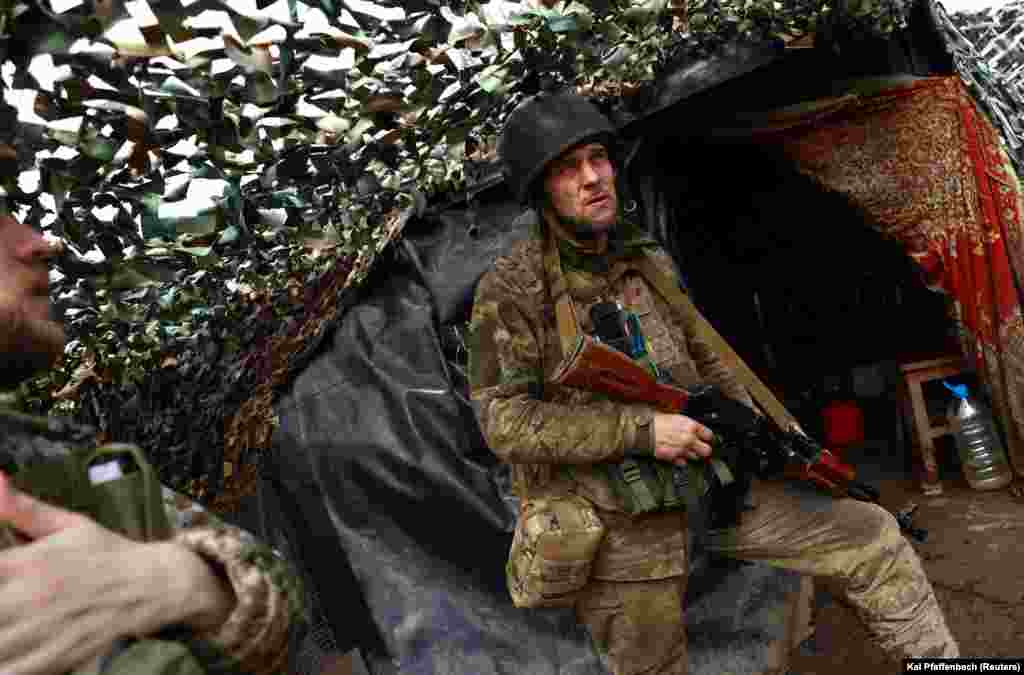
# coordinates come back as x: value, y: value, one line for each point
x: 880, y: 545
x: 868, y: 524
x: 884, y: 525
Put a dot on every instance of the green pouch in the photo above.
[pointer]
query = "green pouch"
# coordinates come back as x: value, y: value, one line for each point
x: 637, y: 484
x: 132, y: 503
x: 119, y: 489
x: 646, y: 485
x: 126, y: 496
x: 60, y: 483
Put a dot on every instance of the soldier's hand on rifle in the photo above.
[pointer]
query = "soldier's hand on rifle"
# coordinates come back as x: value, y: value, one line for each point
x: 75, y: 587
x: 678, y: 438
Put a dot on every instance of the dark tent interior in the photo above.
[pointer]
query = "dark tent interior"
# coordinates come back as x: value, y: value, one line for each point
x: 792, y: 275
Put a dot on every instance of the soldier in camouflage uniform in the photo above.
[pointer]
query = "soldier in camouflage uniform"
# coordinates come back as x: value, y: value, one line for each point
x: 557, y: 152
x: 73, y: 588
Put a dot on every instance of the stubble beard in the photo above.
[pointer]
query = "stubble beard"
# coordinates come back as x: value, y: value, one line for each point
x: 586, y: 229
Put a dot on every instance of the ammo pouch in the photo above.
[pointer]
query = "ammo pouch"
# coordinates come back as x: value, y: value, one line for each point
x: 118, y: 488
x: 712, y: 492
x: 646, y: 485
x: 553, y: 549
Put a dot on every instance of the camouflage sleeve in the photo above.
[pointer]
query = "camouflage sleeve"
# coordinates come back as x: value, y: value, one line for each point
x: 255, y: 637
x: 506, y: 380
x: 710, y: 365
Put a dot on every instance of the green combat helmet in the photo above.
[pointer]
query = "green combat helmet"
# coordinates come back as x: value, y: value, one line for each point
x: 542, y: 128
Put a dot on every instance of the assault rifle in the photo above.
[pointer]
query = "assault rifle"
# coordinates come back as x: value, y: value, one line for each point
x: 766, y: 449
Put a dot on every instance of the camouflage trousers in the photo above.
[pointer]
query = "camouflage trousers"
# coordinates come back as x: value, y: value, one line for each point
x: 855, y: 546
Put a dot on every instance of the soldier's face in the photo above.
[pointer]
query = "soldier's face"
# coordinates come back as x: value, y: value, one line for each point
x: 29, y: 338
x: 580, y: 186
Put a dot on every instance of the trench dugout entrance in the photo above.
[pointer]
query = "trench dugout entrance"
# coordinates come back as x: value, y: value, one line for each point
x: 820, y: 304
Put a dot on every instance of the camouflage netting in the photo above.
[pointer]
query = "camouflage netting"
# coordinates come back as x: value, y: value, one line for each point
x: 988, y: 54
x: 221, y: 172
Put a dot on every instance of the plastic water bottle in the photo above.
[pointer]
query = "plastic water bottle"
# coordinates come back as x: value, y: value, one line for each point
x: 982, y: 455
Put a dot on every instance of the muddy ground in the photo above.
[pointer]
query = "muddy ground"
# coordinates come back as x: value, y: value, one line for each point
x: 974, y: 556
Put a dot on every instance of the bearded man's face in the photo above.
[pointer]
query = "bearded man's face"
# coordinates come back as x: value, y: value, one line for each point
x: 30, y: 339
x: 580, y: 188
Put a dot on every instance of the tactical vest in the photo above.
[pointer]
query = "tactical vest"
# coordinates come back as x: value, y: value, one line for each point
x: 644, y: 483
x: 114, y: 485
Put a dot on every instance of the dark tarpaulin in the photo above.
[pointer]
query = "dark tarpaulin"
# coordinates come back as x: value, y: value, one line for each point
x: 381, y: 466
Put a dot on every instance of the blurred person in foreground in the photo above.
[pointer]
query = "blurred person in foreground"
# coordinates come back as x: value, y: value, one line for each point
x: 73, y: 590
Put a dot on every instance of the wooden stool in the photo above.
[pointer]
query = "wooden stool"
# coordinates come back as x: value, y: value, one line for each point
x: 916, y: 413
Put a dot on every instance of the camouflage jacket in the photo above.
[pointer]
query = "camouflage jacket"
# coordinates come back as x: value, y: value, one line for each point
x: 555, y: 438
x: 255, y: 637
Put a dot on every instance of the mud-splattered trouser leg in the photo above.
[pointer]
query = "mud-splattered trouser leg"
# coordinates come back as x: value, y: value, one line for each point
x: 638, y: 626
x: 859, y: 549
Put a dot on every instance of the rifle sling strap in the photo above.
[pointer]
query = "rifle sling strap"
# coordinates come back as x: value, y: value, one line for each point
x: 565, y: 308
x: 677, y: 298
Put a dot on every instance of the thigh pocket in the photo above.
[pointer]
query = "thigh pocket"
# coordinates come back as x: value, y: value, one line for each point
x: 600, y: 608
x: 638, y: 625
